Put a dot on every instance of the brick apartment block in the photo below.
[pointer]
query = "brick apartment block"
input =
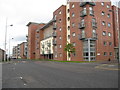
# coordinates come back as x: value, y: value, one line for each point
x: 20, y: 51
x: 90, y: 26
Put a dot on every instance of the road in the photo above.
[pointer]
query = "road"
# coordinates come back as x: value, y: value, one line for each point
x: 47, y: 74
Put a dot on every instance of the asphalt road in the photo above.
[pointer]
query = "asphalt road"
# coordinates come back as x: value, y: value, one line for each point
x: 46, y: 74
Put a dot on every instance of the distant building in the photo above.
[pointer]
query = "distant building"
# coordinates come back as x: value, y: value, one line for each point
x: 20, y: 51
x: 1, y: 54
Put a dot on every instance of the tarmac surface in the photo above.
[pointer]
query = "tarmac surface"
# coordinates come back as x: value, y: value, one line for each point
x: 49, y: 74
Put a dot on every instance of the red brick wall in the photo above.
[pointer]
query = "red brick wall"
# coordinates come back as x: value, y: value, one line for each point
x: 61, y: 16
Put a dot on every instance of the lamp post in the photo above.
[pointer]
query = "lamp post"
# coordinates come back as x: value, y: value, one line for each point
x: 6, y: 39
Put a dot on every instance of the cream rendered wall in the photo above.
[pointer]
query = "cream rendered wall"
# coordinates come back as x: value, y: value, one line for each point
x: 68, y: 24
x: 44, y: 42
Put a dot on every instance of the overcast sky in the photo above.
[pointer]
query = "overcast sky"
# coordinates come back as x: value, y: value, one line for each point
x: 20, y: 13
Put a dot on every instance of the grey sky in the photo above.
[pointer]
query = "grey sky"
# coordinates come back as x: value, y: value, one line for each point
x: 20, y: 12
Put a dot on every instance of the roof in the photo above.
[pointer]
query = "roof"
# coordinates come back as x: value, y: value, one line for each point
x: 33, y: 23
x: 47, y: 25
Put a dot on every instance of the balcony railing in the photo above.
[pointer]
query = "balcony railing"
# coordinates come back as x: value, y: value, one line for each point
x: 83, y: 13
x: 91, y: 12
x: 94, y: 36
x: 85, y: 3
x: 49, y: 44
x: 82, y: 36
x: 42, y: 46
x: 54, y: 19
x: 54, y: 34
x: 54, y: 27
x: 81, y: 25
x: 54, y: 42
x: 43, y: 52
x: 49, y: 51
x: 94, y: 24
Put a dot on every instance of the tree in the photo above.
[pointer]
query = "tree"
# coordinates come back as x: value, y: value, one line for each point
x: 70, y: 49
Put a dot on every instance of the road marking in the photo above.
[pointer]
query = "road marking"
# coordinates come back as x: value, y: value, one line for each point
x: 101, y: 67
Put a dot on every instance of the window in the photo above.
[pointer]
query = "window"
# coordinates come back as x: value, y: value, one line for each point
x: 103, y: 23
x: 74, y: 54
x: 109, y: 34
x: 103, y: 13
x: 105, y: 53
x: 73, y: 15
x: 102, y: 3
x: 73, y: 34
x: 60, y: 12
x: 68, y: 36
x: 60, y: 20
x: 60, y: 55
x: 60, y: 37
x: 105, y: 43
x: 73, y: 24
x: 68, y: 27
x: 68, y: 10
x: 60, y: 46
x: 74, y: 44
x: 110, y: 43
x: 108, y: 6
x: 109, y: 24
x: 104, y: 33
x: 55, y: 55
x: 110, y: 53
x: 60, y: 29
x: 73, y: 5
x: 68, y: 18
x: 108, y: 15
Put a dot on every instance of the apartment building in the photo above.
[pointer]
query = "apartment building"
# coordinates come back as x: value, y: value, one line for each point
x: 116, y: 29
x: 33, y: 40
x: 20, y: 51
x: 89, y: 26
x: 60, y: 39
x: 1, y: 54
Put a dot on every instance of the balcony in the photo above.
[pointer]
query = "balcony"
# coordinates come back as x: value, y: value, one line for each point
x: 82, y: 4
x: 83, y: 13
x: 54, y: 27
x: 82, y: 37
x: 42, y: 46
x: 81, y: 25
x: 91, y: 12
x: 54, y: 34
x: 49, y: 44
x: 49, y: 51
x: 54, y: 19
x: 43, y: 52
x: 94, y: 36
x: 54, y: 42
x: 94, y: 24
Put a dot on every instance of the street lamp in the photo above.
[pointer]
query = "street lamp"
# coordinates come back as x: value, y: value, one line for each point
x: 6, y: 39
